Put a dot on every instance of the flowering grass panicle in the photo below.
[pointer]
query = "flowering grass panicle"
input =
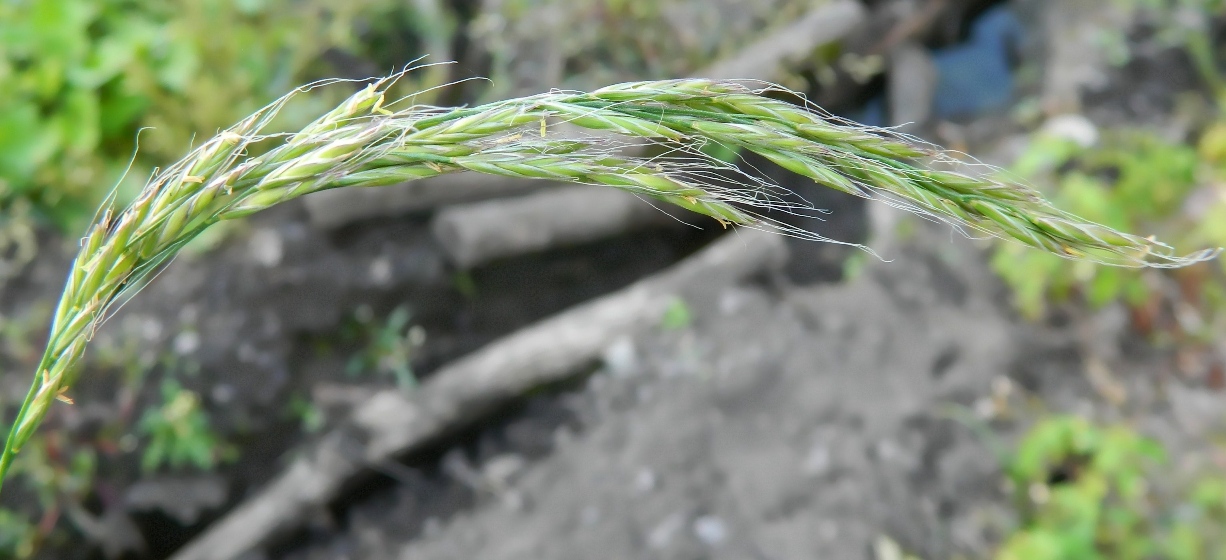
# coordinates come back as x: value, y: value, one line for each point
x: 365, y: 142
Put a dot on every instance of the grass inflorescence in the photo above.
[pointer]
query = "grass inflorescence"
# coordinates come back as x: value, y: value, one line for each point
x: 365, y: 143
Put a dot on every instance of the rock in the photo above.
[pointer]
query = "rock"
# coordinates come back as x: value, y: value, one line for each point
x: 663, y: 533
x: 267, y: 247
x: 114, y: 531
x: 501, y: 471
x: 621, y: 358
x: 710, y: 530
x: 1074, y: 127
x: 645, y: 481
x: 184, y: 499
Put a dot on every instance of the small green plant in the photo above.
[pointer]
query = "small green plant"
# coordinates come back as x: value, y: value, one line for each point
x: 18, y: 536
x: 388, y: 349
x: 18, y: 332
x: 56, y: 472
x: 1082, y: 491
x: 677, y: 316
x: 371, y: 141
x: 1086, y: 492
x: 1133, y: 180
x: 179, y: 433
x: 1200, y: 521
x: 52, y: 470
x: 307, y: 413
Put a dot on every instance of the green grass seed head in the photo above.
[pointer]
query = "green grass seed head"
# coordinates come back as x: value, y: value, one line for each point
x: 367, y: 142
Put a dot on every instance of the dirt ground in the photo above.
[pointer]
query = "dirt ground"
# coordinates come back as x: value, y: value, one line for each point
x: 786, y: 422
x: 823, y: 411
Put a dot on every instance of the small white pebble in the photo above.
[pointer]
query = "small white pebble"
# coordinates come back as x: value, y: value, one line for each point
x: 502, y: 470
x: 645, y: 481
x: 710, y: 530
x: 818, y: 461
x: 222, y: 393
x: 416, y: 336
x: 381, y: 271
x: 1072, y: 127
x: 985, y: 408
x: 187, y: 342
x: 621, y: 358
x: 663, y: 533
x: 589, y: 516
x: 151, y: 329
x: 266, y: 247
x: 732, y: 301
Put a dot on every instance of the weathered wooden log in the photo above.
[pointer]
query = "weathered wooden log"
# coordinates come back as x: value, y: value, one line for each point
x: 762, y: 59
x: 333, y: 209
x: 473, y: 234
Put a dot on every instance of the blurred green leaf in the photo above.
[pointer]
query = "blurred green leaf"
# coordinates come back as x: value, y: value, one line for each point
x: 677, y: 316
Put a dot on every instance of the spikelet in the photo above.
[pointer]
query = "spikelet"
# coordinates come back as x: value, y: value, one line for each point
x: 365, y: 143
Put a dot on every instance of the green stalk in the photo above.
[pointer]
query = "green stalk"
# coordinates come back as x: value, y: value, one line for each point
x: 362, y: 144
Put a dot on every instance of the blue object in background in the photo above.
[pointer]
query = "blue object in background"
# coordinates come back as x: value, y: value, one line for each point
x: 977, y: 76
x: 873, y: 113
x: 973, y: 77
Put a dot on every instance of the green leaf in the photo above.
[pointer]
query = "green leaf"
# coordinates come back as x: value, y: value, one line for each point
x: 1036, y: 544
x: 180, y: 66
x: 677, y: 316
x: 80, y: 121
x: 24, y: 145
x: 1105, y: 286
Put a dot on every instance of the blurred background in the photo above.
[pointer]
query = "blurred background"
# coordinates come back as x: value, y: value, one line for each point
x: 295, y: 386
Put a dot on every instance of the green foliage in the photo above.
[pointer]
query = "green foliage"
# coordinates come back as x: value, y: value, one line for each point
x: 1086, y: 492
x: 58, y: 466
x: 18, y: 536
x: 78, y: 78
x: 53, y: 469
x: 387, y: 349
x: 1138, y: 181
x: 18, y: 334
x: 179, y: 432
x: 1202, y: 516
x: 676, y: 316
x: 308, y: 415
x: 1132, y: 180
